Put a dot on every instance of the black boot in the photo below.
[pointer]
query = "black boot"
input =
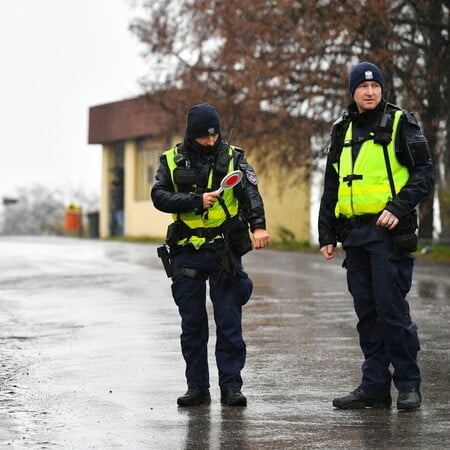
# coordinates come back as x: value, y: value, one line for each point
x: 360, y: 399
x: 232, y: 397
x: 195, y: 397
x: 409, y: 399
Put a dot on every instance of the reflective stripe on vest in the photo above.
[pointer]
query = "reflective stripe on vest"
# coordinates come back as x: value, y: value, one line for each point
x: 215, y: 215
x: 370, y: 193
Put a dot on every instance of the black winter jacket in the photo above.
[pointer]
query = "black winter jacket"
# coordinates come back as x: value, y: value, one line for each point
x: 166, y: 199
x: 411, y: 149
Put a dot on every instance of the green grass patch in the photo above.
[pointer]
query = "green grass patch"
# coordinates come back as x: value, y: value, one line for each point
x: 436, y: 253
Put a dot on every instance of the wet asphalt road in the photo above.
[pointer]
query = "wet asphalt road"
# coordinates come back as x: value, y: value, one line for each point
x: 90, y: 358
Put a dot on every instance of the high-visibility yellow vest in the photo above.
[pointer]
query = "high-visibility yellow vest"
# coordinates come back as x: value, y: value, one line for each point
x: 215, y: 215
x: 370, y: 193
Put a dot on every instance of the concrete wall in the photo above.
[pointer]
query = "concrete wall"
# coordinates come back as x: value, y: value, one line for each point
x: 286, y: 203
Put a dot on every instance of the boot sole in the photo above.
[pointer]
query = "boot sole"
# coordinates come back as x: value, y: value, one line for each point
x: 206, y: 401
x: 408, y: 407
x: 362, y: 405
x: 237, y: 402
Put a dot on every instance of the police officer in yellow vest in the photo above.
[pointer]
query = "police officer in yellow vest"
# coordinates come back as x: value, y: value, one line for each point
x: 378, y: 170
x: 207, y: 239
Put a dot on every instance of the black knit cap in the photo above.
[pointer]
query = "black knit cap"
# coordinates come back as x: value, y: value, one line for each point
x: 364, y: 71
x: 202, y: 120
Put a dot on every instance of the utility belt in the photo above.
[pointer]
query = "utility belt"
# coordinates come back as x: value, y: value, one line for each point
x: 404, y: 237
x: 345, y: 224
x: 236, y: 242
x: 178, y: 230
x: 234, y: 230
x: 359, y: 221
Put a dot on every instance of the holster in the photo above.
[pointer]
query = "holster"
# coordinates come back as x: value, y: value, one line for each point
x: 164, y: 254
x: 174, y: 233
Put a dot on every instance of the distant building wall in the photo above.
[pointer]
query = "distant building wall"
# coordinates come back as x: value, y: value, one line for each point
x: 286, y: 203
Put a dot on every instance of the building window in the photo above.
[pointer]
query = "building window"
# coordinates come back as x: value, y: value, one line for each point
x: 146, y: 164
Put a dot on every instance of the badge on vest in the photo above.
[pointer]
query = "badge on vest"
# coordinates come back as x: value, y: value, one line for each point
x: 251, y: 176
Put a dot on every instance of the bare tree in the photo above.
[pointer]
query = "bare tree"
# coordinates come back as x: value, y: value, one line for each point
x: 278, y: 69
x: 39, y: 210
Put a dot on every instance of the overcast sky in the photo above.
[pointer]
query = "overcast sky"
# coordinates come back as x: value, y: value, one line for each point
x: 58, y: 58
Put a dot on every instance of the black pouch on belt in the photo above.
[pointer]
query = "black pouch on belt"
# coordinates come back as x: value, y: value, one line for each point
x: 237, y: 235
x: 404, y: 237
x: 174, y: 233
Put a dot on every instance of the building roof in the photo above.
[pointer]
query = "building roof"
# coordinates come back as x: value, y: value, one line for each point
x: 127, y: 119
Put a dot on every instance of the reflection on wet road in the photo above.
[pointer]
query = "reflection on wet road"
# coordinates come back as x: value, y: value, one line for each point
x: 89, y: 355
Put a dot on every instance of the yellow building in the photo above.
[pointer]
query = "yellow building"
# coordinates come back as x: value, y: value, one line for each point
x: 134, y: 132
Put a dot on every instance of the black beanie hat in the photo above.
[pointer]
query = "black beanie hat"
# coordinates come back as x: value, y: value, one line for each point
x: 364, y: 71
x: 202, y: 120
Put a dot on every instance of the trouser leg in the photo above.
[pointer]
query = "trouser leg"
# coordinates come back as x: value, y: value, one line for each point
x: 120, y: 220
x: 392, y: 274
x: 230, y: 346
x: 376, y: 376
x: 379, y: 280
x: 190, y: 296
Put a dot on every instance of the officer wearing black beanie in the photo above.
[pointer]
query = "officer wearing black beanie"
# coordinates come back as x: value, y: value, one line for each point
x: 364, y: 72
x: 207, y: 240
x: 378, y: 170
x: 202, y: 120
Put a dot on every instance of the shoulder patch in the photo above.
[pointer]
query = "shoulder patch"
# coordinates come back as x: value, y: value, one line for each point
x: 251, y: 176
